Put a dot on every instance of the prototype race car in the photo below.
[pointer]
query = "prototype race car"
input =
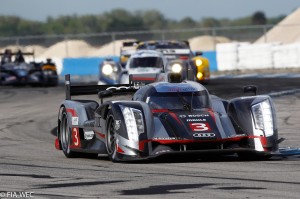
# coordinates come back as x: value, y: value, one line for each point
x: 180, y: 57
x: 140, y: 62
x: 19, y: 72
x: 164, y: 119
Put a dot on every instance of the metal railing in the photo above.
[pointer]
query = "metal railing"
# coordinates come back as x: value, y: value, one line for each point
x: 235, y: 33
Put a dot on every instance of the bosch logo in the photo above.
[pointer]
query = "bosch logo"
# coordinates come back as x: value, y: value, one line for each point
x: 204, y: 135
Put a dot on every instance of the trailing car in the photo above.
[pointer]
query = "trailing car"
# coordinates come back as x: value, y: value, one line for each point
x: 140, y: 62
x: 20, y: 72
x: 180, y: 57
x: 164, y: 119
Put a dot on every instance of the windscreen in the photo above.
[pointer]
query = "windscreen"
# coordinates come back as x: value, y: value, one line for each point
x: 153, y: 62
x: 179, y: 100
x: 163, y: 46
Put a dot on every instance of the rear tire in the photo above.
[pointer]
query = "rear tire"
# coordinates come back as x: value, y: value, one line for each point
x: 111, y: 139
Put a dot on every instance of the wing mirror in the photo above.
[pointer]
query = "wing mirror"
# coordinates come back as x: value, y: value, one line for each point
x: 250, y: 89
x: 103, y: 94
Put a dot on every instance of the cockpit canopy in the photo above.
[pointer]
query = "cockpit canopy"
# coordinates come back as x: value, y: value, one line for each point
x: 143, y: 62
x: 174, y: 96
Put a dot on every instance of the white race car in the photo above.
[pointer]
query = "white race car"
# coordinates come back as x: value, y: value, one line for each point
x: 143, y: 62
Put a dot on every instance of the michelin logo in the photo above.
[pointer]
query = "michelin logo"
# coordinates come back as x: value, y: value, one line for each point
x: 196, y: 120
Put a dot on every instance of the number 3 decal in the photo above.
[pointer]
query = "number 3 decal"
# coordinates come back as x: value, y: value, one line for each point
x: 200, y: 126
x: 75, y: 137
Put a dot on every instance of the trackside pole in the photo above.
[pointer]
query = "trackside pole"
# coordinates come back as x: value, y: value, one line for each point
x: 67, y: 87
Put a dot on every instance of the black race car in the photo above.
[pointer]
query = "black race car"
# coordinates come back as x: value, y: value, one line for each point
x: 164, y: 119
x: 20, y: 72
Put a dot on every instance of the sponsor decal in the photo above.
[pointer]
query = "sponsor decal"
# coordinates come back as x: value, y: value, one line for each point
x: 117, y: 124
x: 199, y: 115
x: 88, y: 135
x: 89, y: 124
x: 192, y: 116
x: 204, y: 135
x: 180, y: 89
x: 204, y: 126
x: 162, y: 138
x: 162, y: 151
x: 196, y: 120
x: 74, y: 120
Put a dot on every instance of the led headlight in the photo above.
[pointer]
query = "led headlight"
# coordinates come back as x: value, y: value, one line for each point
x: 263, y: 117
x: 176, y: 68
x: 198, y: 62
x: 134, y: 122
x: 107, y: 69
x: 199, y: 75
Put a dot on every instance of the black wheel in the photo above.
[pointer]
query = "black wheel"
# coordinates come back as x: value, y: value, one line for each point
x: 111, y: 139
x: 65, y: 136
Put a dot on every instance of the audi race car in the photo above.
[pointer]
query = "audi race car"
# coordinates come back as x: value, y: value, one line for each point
x: 20, y: 72
x: 164, y: 119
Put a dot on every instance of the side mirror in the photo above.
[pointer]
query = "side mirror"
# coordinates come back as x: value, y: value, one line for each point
x: 250, y: 89
x: 105, y: 93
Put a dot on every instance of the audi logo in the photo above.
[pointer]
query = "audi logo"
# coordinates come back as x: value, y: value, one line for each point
x: 204, y: 135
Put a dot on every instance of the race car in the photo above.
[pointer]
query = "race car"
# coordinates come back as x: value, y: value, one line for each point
x: 140, y: 62
x: 20, y: 72
x: 163, y: 119
x: 180, y: 57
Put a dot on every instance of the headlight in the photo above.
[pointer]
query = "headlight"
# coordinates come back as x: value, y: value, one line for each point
x: 198, y: 62
x: 199, y: 75
x: 263, y: 118
x: 107, y: 69
x: 133, y: 121
x: 176, y: 68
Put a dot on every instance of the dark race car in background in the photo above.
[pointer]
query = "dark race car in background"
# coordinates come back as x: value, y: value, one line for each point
x: 164, y: 119
x: 20, y: 72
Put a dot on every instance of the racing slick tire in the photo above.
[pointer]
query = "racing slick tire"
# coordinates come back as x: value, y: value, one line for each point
x: 111, y: 139
x: 65, y: 136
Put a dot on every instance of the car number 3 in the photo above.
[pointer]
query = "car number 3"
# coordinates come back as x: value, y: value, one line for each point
x: 75, y: 137
x: 199, y: 126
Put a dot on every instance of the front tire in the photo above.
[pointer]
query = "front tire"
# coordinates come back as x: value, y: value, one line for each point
x: 65, y: 136
x: 111, y: 139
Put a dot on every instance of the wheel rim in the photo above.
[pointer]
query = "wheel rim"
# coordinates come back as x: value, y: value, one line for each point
x: 111, y: 136
x: 65, y: 136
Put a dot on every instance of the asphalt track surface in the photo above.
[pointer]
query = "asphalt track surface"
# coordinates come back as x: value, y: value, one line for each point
x: 30, y: 163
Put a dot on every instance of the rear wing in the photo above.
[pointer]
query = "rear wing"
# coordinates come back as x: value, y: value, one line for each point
x: 128, y: 48
x: 135, y: 82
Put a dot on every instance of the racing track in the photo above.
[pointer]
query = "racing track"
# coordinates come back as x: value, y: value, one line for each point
x: 29, y: 161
